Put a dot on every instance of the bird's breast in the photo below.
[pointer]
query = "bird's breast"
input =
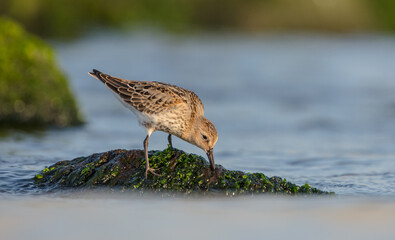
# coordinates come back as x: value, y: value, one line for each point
x: 173, y: 122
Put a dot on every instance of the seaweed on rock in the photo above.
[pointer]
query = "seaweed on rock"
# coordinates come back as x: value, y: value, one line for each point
x: 33, y: 91
x: 180, y: 172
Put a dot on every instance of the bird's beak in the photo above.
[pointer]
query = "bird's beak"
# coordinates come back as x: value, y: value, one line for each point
x: 210, y: 156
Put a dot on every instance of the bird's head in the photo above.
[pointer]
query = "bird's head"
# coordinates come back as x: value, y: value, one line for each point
x: 204, y: 135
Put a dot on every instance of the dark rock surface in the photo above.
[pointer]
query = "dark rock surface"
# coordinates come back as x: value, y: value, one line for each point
x: 179, y: 173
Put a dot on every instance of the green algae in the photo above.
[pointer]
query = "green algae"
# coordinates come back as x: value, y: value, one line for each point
x: 33, y: 91
x: 180, y: 172
x: 38, y: 176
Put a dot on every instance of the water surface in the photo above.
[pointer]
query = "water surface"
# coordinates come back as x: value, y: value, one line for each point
x: 317, y: 109
x: 104, y: 217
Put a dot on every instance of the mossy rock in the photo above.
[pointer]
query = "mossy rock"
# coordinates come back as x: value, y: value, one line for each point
x: 179, y: 173
x: 33, y: 91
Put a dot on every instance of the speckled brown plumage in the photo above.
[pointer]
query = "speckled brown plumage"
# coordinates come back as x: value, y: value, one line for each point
x: 165, y: 107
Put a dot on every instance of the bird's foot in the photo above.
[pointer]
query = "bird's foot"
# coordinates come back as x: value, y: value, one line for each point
x: 151, y: 170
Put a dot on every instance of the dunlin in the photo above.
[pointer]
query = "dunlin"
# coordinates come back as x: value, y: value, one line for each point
x: 164, y: 107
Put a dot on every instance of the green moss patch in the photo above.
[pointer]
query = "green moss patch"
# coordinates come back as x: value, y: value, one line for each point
x: 33, y: 91
x: 180, y: 172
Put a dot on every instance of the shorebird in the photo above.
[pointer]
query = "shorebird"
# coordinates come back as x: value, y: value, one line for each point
x: 164, y: 107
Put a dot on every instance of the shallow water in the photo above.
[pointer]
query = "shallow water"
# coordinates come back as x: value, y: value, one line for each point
x: 317, y: 109
x: 127, y: 217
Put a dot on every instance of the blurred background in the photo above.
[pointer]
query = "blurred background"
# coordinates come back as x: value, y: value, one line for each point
x: 298, y: 89
x: 70, y: 18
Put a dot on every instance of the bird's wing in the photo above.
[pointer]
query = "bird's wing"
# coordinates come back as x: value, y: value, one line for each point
x: 146, y: 97
x: 186, y: 96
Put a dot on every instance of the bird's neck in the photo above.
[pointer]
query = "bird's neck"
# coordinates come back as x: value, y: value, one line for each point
x: 192, y: 131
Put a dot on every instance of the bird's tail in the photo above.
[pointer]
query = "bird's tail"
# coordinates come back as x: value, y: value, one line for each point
x: 97, y: 74
x: 113, y: 83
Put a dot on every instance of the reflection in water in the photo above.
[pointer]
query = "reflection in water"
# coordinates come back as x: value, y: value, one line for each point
x: 311, y: 109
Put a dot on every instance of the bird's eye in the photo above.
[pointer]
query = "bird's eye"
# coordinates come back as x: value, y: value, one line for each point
x: 204, y: 137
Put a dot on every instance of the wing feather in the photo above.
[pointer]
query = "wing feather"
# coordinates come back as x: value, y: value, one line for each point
x: 150, y: 97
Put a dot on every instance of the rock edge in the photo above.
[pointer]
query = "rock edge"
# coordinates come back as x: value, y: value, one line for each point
x: 180, y: 172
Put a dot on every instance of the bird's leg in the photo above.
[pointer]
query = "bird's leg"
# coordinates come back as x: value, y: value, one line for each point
x: 147, y: 167
x: 170, y: 142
